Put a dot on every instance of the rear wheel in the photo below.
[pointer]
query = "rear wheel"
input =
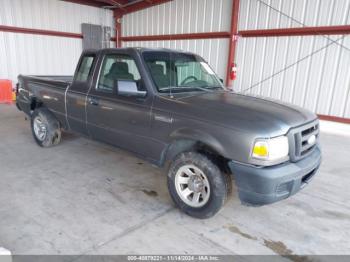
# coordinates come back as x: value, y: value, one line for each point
x: 197, y: 185
x: 45, y: 128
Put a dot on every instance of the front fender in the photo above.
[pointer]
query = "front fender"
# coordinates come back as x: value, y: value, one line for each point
x: 198, y: 136
x: 186, y: 139
x: 228, y: 143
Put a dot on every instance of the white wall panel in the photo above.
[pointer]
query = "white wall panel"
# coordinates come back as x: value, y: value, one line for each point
x: 52, y: 15
x: 310, y: 71
x: 263, y: 14
x: 180, y: 17
x: 39, y: 55
x: 214, y: 51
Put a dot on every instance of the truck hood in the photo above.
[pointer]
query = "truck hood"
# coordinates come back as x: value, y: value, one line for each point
x: 262, y: 116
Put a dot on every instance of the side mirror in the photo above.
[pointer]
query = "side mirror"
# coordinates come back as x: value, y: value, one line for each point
x: 129, y: 88
x: 221, y: 80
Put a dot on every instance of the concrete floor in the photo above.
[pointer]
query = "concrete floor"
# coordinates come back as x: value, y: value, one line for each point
x: 83, y: 197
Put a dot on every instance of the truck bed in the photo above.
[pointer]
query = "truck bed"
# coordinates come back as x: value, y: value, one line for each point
x: 64, y: 79
x: 47, y: 89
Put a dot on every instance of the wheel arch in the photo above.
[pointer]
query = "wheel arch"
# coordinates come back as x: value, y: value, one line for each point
x: 35, y: 103
x: 185, y: 140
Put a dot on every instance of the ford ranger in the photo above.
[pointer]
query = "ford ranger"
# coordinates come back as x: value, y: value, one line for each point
x: 169, y: 107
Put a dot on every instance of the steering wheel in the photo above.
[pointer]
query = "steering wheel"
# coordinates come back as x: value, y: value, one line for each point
x: 188, y: 78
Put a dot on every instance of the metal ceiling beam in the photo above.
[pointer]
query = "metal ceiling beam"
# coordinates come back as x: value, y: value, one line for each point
x: 139, y: 5
x: 116, y: 3
x: 123, y: 5
x: 86, y: 2
x: 101, y: 3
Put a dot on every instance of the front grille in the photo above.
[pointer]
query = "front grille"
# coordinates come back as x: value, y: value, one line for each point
x: 301, y: 141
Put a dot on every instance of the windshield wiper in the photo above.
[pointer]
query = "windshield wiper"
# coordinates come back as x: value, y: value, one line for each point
x: 201, y: 88
x: 186, y: 89
x: 206, y: 88
x: 214, y: 87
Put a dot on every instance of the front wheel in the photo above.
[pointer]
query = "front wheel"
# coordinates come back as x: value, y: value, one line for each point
x: 197, y: 186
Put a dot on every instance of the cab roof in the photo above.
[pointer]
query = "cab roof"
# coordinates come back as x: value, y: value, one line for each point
x: 141, y: 50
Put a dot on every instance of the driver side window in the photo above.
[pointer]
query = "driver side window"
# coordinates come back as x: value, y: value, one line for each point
x: 115, y: 68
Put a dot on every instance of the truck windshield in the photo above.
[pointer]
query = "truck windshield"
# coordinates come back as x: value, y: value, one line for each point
x: 180, y: 72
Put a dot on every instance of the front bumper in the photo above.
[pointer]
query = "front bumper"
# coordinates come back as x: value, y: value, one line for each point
x: 265, y: 185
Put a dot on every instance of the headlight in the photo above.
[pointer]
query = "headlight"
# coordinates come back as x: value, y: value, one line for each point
x: 271, y: 149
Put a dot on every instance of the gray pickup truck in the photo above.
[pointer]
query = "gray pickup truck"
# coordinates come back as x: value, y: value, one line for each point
x: 170, y: 108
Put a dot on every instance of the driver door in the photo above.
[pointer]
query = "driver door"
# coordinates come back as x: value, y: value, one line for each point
x: 120, y: 120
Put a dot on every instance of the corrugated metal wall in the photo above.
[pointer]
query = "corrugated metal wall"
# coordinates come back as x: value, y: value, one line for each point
x: 310, y: 71
x: 269, y: 14
x: 180, y: 17
x: 36, y: 54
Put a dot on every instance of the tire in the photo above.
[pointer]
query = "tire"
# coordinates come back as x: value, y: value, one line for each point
x: 194, y: 172
x: 45, y: 128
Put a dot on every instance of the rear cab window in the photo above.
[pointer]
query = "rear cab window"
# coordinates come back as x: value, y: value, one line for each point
x: 85, y: 68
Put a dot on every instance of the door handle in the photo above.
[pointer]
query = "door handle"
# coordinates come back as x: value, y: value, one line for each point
x: 93, y: 101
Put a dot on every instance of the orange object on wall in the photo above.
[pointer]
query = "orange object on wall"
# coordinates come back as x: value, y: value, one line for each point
x: 5, y: 91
